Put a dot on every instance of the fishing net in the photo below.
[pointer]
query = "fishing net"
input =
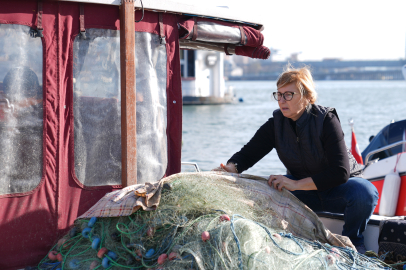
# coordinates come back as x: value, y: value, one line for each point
x: 204, y: 221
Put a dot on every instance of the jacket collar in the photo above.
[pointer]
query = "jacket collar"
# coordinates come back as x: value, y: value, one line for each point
x: 304, y: 118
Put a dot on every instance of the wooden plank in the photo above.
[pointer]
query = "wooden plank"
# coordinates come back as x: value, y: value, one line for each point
x: 128, y: 90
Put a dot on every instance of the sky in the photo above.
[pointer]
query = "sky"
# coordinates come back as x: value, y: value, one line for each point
x: 319, y: 29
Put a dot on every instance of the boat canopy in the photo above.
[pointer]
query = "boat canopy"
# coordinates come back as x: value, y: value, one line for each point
x: 61, y: 109
x: 392, y: 133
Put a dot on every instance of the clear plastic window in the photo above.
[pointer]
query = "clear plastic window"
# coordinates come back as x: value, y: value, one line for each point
x: 21, y: 109
x: 97, y: 107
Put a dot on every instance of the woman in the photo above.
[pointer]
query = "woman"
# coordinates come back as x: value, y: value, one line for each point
x: 309, y: 141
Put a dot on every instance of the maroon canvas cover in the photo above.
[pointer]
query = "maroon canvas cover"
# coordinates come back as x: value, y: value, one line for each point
x: 260, y: 52
x: 31, y: 222
x: 254, y: 38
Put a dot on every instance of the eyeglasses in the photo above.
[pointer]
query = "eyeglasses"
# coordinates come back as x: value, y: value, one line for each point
x: 287, y: 95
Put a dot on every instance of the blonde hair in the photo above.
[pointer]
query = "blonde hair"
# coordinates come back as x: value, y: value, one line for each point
x: 303, y: 79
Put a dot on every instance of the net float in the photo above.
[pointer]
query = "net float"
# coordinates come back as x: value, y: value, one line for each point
x: 205, y: 236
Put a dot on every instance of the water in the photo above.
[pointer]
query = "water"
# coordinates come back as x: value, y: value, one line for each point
x: 213, y: 133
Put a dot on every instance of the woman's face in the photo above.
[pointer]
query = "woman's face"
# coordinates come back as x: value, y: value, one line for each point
x: 295, y: 107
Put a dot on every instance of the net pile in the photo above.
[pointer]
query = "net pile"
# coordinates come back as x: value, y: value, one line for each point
x: 202, y: 222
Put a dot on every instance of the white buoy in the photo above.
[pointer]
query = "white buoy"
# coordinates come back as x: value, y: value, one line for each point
x: 390, y: 194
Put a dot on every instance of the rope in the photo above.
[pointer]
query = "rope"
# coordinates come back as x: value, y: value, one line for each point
x: 397, y: 160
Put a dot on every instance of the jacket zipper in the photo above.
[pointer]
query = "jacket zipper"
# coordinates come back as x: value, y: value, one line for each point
x: 301, y: 153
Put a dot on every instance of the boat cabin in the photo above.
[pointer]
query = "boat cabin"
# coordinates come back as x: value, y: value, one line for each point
x: 90, y: 102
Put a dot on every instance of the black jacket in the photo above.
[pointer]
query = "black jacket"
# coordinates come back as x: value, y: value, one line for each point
x: 301, y: 150
x: 317, y: 151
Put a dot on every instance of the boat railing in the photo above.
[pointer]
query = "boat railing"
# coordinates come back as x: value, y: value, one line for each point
x: 8, y: 104
x: 192, y: 164
x: 383, y: 149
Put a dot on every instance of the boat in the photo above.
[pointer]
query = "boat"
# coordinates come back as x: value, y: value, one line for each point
x: 404, y: 71
x: 203, y: 80
x: 385, y: 162
x: 91, y: 102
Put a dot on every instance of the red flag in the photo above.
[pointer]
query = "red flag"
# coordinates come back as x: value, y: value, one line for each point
x: 355, y: 149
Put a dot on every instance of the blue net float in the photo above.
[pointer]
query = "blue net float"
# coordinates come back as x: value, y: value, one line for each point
x: 86, y: 232
x: 74, y: 264
x: 150, y: 253
x: 96, y: 243
x: 112, y: 255
x: 106, y: 263
x: 73, y: 232
x: 92, y: 221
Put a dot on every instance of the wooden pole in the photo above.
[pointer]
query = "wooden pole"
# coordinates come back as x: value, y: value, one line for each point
x: 128, y: 90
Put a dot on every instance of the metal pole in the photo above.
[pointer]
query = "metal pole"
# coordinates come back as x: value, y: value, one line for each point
x: 128, y: 90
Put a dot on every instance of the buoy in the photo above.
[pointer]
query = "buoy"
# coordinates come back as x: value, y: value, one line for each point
x: 92, y: 221
x: 112, y: 255
x: 267, y: 249
x: 73, y: 232
x: 224, y: 217
x: 277, y: 236
x: 162, y: 258
x: 74, y: 264
x: 52, y: 255
x: 101, y: 252
x: 205, y: 236
x: 96, y: 243
x: 86, y: 232
x: 150, y: 253
x: 390, y: 194
x: 59, y: 257
x: 172, y: 256
x: 241, y: 99
x: 93, y: 265
x: 106, y: 262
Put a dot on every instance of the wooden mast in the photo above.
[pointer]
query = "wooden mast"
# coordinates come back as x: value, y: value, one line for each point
x: 128, y: 91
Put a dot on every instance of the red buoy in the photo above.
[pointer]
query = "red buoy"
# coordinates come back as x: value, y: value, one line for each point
x: 205, y: 236
x: 173, y: 256
x: 101, y: 252
x: 52, y: 255
x: 224, y: 217
x: 162, y: 258
x: 59, y: 257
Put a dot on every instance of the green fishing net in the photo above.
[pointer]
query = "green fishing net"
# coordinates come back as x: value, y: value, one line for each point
x: 203, y: 222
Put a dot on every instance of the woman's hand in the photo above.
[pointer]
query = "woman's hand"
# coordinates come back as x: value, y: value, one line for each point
x: 280, y: 181
x: 230, y: 167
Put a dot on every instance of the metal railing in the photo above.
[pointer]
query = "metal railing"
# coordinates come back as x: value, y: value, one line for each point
x: 383, y: 149
x: 192, y: 164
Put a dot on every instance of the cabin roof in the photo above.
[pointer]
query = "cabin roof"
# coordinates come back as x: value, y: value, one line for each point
x: 193, y: 8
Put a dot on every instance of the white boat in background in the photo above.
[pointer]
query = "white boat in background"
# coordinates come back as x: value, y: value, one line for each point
x: 203, y: 78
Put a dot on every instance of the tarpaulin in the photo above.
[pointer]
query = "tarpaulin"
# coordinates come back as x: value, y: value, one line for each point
x: 31, y: 222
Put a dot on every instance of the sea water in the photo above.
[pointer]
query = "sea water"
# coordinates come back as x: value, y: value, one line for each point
x: 213, y: 133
